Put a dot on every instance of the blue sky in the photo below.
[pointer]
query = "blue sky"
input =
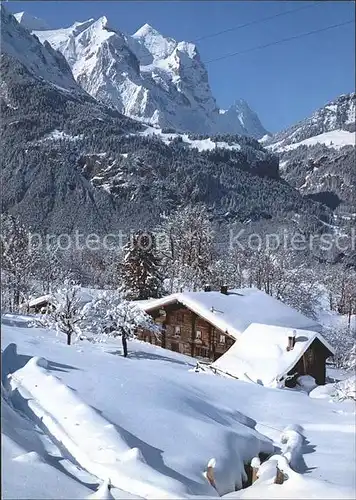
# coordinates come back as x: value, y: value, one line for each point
x: 283, y: 83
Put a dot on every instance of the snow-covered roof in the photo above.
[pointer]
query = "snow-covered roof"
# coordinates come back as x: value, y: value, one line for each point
x: 85, y: 295
x: 260, y: 354
x: 43, y: 299
x: 234, y: 312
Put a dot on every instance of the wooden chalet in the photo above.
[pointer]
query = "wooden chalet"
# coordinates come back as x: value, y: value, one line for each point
x: 184, y: 331
x: 206, y: 324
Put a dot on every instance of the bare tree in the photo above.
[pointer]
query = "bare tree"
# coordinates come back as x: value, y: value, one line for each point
x: 68, y: 315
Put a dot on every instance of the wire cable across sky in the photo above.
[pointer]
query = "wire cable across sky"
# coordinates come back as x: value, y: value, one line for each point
x: 277, y: 42
x: 256, y: 21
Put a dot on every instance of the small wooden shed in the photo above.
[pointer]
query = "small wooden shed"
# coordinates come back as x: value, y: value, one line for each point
x: 274, y: 356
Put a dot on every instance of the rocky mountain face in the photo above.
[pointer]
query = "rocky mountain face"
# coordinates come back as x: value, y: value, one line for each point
x: 317, y: 155
x: 70, y: 162
x: 147, y: 76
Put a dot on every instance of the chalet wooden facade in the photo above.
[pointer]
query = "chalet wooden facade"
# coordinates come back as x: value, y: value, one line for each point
x: 312, y: 362
x: 186, y: 332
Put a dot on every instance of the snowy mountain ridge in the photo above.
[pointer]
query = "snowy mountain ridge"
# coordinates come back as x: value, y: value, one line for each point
x: 70, y: 162
x: 42, y: 61
x: 338, y: 114
x: 317, y: 155
x: 145, y: 76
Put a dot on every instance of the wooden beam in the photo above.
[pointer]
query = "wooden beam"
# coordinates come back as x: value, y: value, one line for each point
x: 211, y: 343
x: 194, y: 320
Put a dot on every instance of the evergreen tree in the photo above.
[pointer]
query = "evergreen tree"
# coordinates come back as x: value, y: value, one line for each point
x: 141, y: 274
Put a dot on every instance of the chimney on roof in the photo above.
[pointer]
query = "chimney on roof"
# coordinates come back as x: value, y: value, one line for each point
x: 291, y: 340
x: 223, y: 289
x: 207, y: 288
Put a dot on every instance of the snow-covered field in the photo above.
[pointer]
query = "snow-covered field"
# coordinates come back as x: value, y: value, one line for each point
x: 57, y: 135
x: 73, y: 416
x: 199, y: 144
x: 334, y: 139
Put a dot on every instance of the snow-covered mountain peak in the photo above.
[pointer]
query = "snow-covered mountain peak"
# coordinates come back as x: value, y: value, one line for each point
x: 103, y: 23
x: 146, y: 30
x: 93, y: 49
x: 81, y: 23
x: 189, y: 48
x: 95, y: 32
x: 42, y: 61
x: 248, y: 118
x: 157, y: 45
x: 31, y: 22
x: 79, y: 26
x: 239, y: 116
x: 148, y: 76
x: 241, y: 105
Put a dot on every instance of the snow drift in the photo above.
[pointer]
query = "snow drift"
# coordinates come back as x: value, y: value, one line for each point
x: 99, y: 446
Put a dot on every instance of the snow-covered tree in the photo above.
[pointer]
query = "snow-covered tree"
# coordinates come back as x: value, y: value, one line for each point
x: 18, y: 262
x: 342, y: 338
x: 141, y: 274
x: 350, y: 361
x: 340, y: 281
x: 50, y: 269
x: 226, y: 270
x: 345, y: 389
x: 186, y: 240
x: 68, y: 316
x: 110, y: 314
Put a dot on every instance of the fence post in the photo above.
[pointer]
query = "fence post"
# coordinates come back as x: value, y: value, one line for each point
x: 255, y: 465
x: 279, y: 479
x: 209, y: 474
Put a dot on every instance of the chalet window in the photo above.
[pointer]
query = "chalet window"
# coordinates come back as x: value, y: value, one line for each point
x: 198, y: 334
x: 177, y: 330
x: 222, y: 339
x: 180, y: 317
